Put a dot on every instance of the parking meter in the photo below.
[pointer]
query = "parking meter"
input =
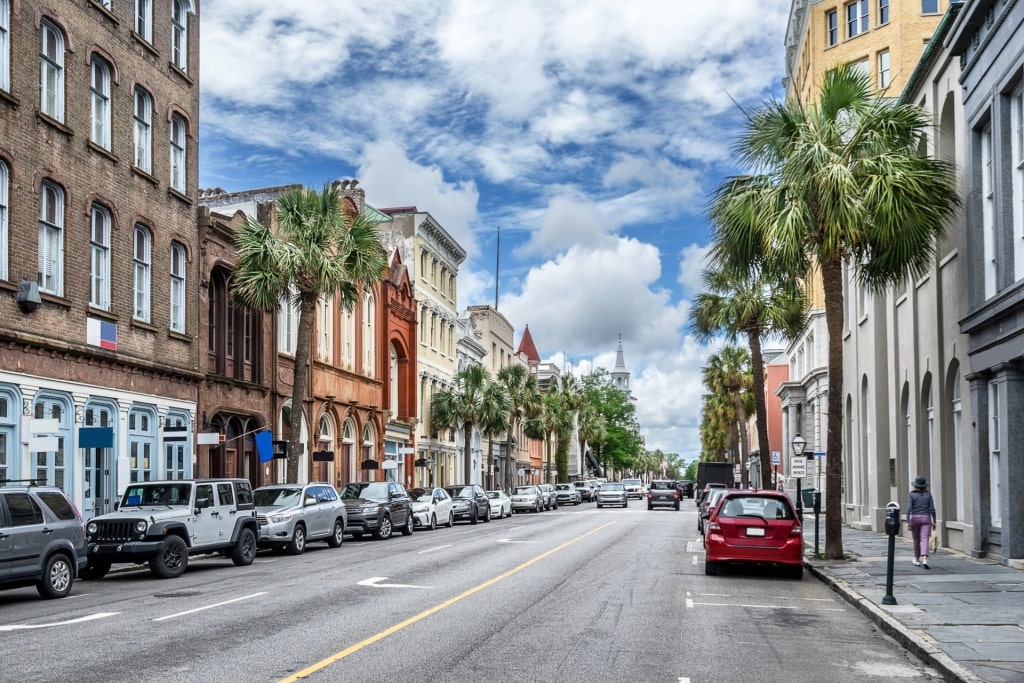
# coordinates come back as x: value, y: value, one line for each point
x: 817, y: 502
x: 892, y: 519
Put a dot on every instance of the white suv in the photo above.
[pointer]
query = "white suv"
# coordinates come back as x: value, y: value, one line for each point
x: 163, y: 522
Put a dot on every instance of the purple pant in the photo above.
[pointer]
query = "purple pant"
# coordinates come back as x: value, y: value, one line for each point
x: 921, y: 529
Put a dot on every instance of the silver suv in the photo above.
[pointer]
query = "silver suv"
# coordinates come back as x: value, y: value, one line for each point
x: 163, y: 522
x: 290, y: 515
x: 42, y: 541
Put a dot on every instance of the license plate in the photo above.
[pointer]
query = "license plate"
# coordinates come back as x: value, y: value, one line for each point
x: 755, y: 531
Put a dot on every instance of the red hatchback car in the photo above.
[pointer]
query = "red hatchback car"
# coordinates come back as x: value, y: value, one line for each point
x: 754, y: 527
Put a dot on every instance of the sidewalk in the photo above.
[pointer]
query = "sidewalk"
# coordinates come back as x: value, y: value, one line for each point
x: 964, y: 617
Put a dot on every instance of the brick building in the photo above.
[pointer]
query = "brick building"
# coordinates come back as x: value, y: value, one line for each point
x: 99, y: 107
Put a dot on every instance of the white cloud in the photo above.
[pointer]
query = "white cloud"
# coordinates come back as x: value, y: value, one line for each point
x: 569, y: 222
x: 692, y: 262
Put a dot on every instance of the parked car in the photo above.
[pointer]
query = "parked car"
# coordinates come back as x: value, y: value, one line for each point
x: 164, y: 522
x: 663, y: 492
x: 612, y: 493
x: 290, y: 515
x: 378, y: 508
x: 634, y: 488
x: 707, y: 507
x: 754, y: 527
x: 587, y: 488
x: 550, y: 498
x: 469, y: 502
x: 708, y: 488
x: 42, y: 539
x: 501, y: 504
x: 431, y: 507
x: 686, y: 488
x: 525, y: 498
x: 567, y: 494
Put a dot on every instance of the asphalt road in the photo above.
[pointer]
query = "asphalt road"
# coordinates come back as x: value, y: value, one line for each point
x: 577, y: 594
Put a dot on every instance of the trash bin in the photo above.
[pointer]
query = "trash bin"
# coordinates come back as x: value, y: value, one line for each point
x: 808, y: 498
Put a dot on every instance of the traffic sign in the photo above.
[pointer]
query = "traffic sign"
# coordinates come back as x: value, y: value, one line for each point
x: 798, y: 466
x: 775, y: 457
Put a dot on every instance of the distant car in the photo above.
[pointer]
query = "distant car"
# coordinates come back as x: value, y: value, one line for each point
x: 612, y: 493
x: 567, y: 494
x: 588, y: 489
x: 290, y: 515
x: 42, y: 539
x: 686, y: 488
x: 754, y: 527
x: 634, y: 488
x: 469, y: 502
x: 431, y: 507
x: 708, y: 488
x: 501, y: 504
x: 527, y: 498
x: 706, y: 508
x: 377, y: 508
x: 663, y: 492
x: 550, y: 498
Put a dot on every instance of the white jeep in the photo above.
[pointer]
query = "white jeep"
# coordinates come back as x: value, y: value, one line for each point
x: 163, y: 522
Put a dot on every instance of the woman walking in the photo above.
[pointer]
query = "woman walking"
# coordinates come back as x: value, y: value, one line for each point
x: 921, y: 519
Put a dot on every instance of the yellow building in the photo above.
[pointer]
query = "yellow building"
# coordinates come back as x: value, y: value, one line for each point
x: 886, y: 36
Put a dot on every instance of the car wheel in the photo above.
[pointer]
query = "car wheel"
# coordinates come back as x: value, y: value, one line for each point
x: 650, y: 507
x: 795, y: 572
x: 433, y: 521
x: 171, y: 559
x: 335, y: 539
x: 384, y: 529
x: 625, y: 503
x: 487, y: 515
x: 676, y: 507
x: 710, y: 568
x: 95, y: 570
x: 244, y: 551
x: 473, y: 517
x: 451, y: 520
x: 58, y: 576
x: 298, y: 543
x: 410, y: 525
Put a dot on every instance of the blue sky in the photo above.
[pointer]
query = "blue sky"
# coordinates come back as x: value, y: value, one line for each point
x: 589, y: 131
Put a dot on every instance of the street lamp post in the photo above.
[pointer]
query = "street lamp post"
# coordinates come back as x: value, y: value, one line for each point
x: 799, y: 444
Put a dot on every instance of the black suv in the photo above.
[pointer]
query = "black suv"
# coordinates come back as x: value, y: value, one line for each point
x: 42, y: 540
x: 469, y: 502
x: 686, y: 488
x: 377, y: 507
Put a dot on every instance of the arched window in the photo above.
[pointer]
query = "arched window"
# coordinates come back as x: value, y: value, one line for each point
x: 142, y: 444
x: 51, y: 71
x: 99, y: 92
x: 177, y: 449
x: 55, y: 467
x: 142, y: 272
x: 144, y: 19
x: 393, y: 383
x: 369, y: 442
x: 288, y: 323
x: 5, y: 45
x: 348, y: 338
x: 179, y: 34
x: 369, y: 328
x: 143, y: 130
x: 99, y: 258
x: 177, y: 287
x: 10, y: 415
x: 348, y: 452
x: 51, y: 239
x: 958, y: 450
x: 4, y: 230
x: 179, y: 160
x: 325, y: 328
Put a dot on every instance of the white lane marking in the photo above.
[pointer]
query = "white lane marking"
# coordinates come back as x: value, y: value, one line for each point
x: 729, y: 604
x: 79, y: 620
x: 684, y: 679
x: 694, y: 561
x: 430, y: 550
x: 689, y: 600
x: 509, y: 540
x: 375, y: 582
x: 219, y: 604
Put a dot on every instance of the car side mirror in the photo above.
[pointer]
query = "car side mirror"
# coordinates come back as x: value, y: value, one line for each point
x: 705, y: 515
x: 202, y: 503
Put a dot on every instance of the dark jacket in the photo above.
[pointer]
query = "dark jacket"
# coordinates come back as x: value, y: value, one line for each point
x: 920, y: 503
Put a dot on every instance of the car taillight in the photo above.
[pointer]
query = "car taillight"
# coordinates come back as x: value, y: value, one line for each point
x: 714, y: 526
x: 675, y: 494
x: 796, y: 530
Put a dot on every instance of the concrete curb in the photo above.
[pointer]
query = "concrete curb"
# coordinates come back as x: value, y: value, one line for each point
x: 951, y: 671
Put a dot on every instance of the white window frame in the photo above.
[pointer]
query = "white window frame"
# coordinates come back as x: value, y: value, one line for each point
x: 179, y: 34
x: 856, y: 20
x: 51, y: 71
x: 177, y: 288
x: 288, y: 324
x: 884, y: 70
x: 99, y: 92
x: 988, y: 213
x: 142, y: 446
x: 325, y: 328
x: 144, y: 19
x: 369, y: 329
x: 4, y: 228
x: 348, y: 338
x: 99, y: 258
x: 994, y: 455
x: 142, y: 255
x: 51, y: 239
x: 1017, y: 170
x: 143, y: 116
x: 958, y: 450
x: 179, y: 159
x: 5, y: 45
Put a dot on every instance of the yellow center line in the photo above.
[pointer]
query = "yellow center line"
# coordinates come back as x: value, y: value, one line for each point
x: 338, y: 656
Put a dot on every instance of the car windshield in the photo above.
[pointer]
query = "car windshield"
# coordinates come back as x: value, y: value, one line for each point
x: 526, y: 490
x: 461, y: 492
x: 374, y: 490
x: 631, y: 482
x: 283, y: 497
x: 662, y: 485
x: 763, y: 507
x: 421, y: 495
x: 611, y: 486
x: 156, y: 494
x: 494, y: 495
x: 564, y: 487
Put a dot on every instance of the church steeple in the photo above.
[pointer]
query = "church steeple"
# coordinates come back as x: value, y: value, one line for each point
x: 620, y: 375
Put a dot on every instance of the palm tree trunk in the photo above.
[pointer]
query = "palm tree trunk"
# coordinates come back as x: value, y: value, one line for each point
x: 510, y: 457
x: 467, y: 466
x: 741, y: 441
x: 832, y: 281
x: 304, y: 342
x: 757, y: 369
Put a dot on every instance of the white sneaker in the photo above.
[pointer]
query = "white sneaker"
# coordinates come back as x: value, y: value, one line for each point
x: 916, y: 563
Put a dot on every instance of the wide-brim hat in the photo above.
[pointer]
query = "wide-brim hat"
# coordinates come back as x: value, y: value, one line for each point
x: 920, y: 483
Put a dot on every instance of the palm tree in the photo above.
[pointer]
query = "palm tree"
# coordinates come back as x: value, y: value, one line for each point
x: 473, y: 401
x: 728, y: 376
x: 551, y: 421
x: 314, y: 250
x: 523, y: 401
x: 755, y: 304
x: 837, y: 182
